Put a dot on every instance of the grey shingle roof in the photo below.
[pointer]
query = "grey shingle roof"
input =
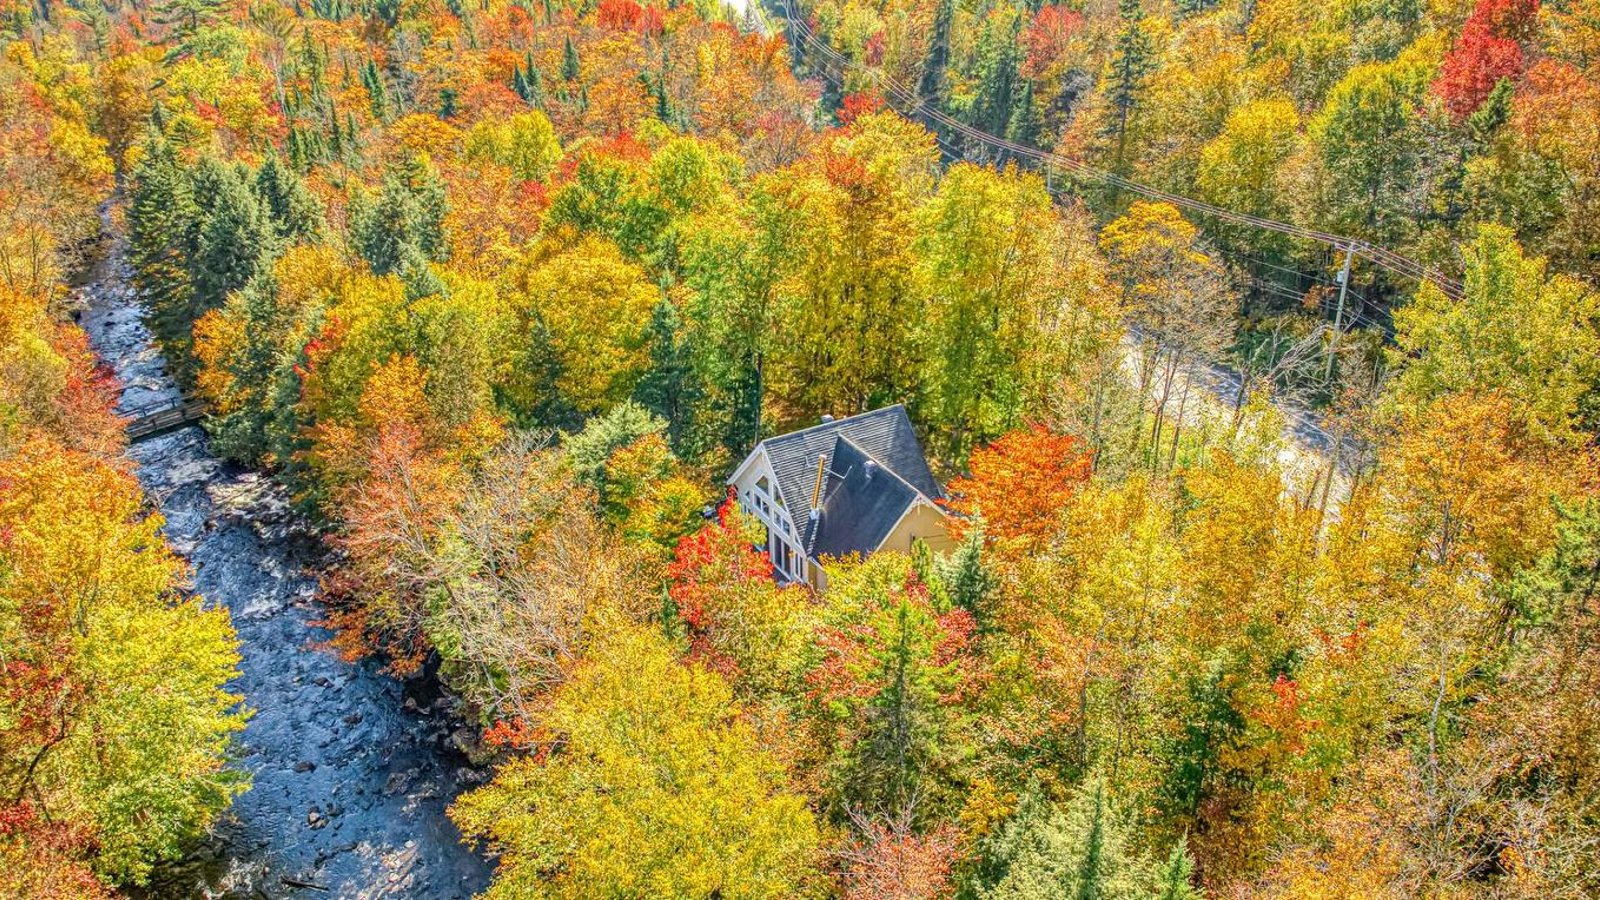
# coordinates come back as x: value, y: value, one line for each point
x: 864, y: 502
x: 855, y: 508
x: 884, y: 434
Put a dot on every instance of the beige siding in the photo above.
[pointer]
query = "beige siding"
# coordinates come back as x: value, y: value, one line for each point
x: 923, y: 521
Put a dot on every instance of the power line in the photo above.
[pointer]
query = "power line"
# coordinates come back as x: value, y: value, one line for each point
x: 1382, y: 257
x: 1302, y: 419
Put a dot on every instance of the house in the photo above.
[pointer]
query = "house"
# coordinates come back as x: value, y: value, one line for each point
x: 855, y: 485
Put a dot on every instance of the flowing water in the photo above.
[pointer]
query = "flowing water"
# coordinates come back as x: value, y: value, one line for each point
x: 351, y: 769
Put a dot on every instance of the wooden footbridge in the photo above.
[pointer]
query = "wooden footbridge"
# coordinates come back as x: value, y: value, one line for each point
x: 161, y: 418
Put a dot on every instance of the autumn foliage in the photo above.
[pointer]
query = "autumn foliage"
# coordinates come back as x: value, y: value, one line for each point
x: 1019, y: 485
x: 1488, y: 49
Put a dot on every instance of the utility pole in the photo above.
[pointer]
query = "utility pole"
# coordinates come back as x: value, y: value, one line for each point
x: 1338, y: 312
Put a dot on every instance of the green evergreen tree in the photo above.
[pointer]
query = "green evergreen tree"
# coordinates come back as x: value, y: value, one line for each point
x: 1485, y: 121
x: 240, y: 434
x: 372, y: 79
x: 999, y: 56
x: 1175, y: 881
x: 528, y: 83
x: 185, y: 18
x: 162, y: 226
x: 1083, y: 852
x: 589, y: 451
x: 380, y: 227
x: 671, y: 388
x: 1027, y: 122
x: 388, y: 11
x: 966, y: 579
x: 1132, y: 59
x: 237, y: 241
x: 569, y: 61
x: 427, y: 189
x: 931, y: 84
x: 402, y: 229
x: 297, y: 214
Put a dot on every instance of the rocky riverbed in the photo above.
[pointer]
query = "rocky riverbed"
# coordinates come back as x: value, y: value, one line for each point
x: 352, y: 770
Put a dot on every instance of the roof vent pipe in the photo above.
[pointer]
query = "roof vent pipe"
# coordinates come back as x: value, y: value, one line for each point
x: 816, y: 490
x: 871, y: 468
x: 826, y: 419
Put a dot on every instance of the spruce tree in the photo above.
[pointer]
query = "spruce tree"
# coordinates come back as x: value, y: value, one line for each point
x: 380, y: 227
x: 1175, y: 881
x: 930, y: 86
x: 1080, y: 852
x: 240, y: 433
x: 162, y: 224
x: 1026, y: 121
x: 1131, y: 62
x: 999, y: 58
x: 428, y: 191
x: 185, y: 18
x: 402, y: 229
x: 237, y: 241
x: 569, y: 61
x: 966, y: 579
x: 1485, y: 121
x: 296, y: 212
x: 671, y: 388
x: 535, y: 83
x: 372, y: 79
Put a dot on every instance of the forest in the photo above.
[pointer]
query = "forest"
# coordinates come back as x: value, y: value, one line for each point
x: 1276, y: 548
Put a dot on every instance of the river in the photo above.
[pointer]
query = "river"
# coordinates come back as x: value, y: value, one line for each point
x: 351, y: 769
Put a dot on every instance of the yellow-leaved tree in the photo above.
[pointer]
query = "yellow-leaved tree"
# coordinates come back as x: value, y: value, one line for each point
x: 646, y: 784
x: 113, y: 718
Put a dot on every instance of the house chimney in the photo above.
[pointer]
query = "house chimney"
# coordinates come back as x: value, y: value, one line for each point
x: 826, y: 418
x: 816, y: 490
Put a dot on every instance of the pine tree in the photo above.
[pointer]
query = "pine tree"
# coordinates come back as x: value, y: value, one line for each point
x: 296, y: 212
x: 186, y: 17
x: 335, y: 133
x: 240, y: 433
x: 237, y: 241
x: 380, y: 228
x: 388, y: 11
x: 419, y: 278
x: 373, y: 80
x: 1485, y: 121
x: 966, y: 579
x: 999, y: 57
x: 569, y: 61
x: 930, y: 87
x: 1082, y: 852
x: 535, y: 82
x: 427, y: 189
x: 402, y: 229
x: 1131, y: 62
x: 1027, y: 123
x: 1175, y: 880
x: 162, y: 223
x: 671, y: 388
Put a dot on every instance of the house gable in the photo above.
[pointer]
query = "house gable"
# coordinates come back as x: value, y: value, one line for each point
x: 876, y: 491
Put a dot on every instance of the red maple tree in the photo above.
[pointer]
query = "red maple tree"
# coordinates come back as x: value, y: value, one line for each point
x: 1486, y: 51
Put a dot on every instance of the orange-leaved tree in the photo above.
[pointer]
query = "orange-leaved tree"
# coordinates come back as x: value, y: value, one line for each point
x: 1019, y: 486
